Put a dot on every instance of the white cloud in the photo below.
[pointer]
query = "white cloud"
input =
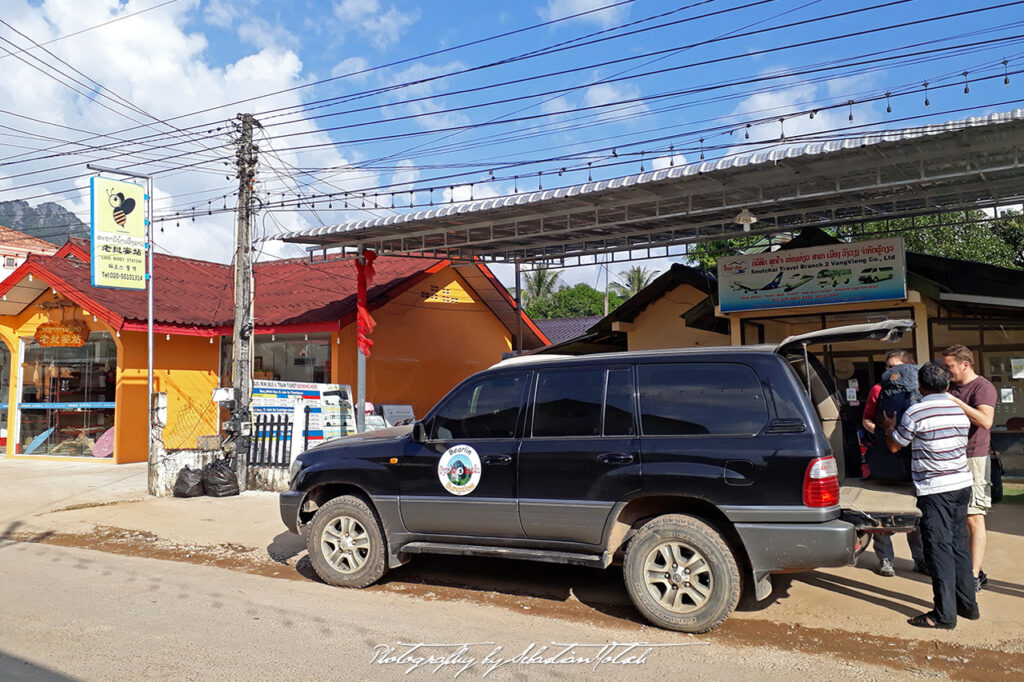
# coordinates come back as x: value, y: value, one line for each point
x: 262, y: 34
x: 774, y: 105
x: 406, y: 175
x: 351, y: 65
x: 356, y: 10
x: 605, y: 95
x: 557, y: 105
x: 559, y: 9
x: 475, y: 192
x: 668, y: 161
x: 161, y: 66
x: 429, y: 109
x: 220, y: 13
x: 382, y: 28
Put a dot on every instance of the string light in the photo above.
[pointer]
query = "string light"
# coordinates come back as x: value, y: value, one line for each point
x: 926, y: 102
x: 1006, y: 74
x: 967, y: 87
x: 888, y: 105
x: 850, y: 104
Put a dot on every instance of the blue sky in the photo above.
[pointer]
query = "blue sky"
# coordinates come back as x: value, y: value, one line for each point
x: 189, y: 55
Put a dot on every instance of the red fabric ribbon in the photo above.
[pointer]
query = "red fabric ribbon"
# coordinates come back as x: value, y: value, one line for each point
x: 364, y: 322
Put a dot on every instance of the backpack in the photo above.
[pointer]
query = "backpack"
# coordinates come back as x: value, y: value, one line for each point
x: 899, y: 392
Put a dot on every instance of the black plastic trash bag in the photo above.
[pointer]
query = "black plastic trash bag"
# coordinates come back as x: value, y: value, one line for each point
x: 219, y: 479
x: 189, y: 483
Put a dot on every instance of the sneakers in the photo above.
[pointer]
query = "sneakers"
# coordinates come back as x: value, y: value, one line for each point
x: 980, y: 581
x: 885, y: 568
x: 922, y: 567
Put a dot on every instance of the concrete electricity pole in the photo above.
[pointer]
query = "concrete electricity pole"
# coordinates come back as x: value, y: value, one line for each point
x: 241, y: 337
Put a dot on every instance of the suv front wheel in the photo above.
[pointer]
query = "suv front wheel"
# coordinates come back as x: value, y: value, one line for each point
x: 681, y: 574
x: 346, y: 543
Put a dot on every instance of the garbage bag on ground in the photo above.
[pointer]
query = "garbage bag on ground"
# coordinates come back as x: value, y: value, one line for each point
x: 189, y: 483
x: 219, y: 479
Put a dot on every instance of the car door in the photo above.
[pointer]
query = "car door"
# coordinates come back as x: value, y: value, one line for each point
x: 462, y: 479
x: 580, y: 453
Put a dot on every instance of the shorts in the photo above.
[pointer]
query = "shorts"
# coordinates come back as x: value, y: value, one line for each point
x: 981, y: 491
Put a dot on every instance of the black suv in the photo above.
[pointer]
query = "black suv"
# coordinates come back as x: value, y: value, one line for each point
x: 696, y: 468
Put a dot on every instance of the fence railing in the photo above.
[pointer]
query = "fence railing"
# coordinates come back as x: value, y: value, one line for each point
x: 272, y: 441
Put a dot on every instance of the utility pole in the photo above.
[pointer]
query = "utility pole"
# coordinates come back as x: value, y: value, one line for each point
x: 241, y: 337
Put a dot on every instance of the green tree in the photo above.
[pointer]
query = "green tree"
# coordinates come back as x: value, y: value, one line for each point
x: 581, y: 300
x: 632, y: 281
x: 539, y: 285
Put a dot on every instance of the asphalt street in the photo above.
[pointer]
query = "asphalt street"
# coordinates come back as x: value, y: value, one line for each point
x: 74, y: 613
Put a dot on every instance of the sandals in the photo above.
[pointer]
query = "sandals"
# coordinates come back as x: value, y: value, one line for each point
x: 928, y: 620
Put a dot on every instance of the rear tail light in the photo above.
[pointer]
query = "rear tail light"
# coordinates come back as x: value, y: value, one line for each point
x: 821, y: 483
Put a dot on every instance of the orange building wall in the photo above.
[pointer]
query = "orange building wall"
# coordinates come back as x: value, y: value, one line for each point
x: 185, y: 367
x: 426, y: 341
x: 660, y: 324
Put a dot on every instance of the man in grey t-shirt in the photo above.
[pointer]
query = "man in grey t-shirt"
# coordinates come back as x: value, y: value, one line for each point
x: 976, y: 396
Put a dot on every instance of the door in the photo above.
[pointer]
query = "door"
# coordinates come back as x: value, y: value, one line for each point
x: 580, y: 453
x: 462, y: 480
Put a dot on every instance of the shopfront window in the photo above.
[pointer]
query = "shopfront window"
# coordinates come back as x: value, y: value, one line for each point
x: 293, y: 357
x: 67, y: 398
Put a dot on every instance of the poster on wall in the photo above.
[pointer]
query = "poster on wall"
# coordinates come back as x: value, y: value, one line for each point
x: 330, y: 413
x: 118, y: 234
x: 852, y: 272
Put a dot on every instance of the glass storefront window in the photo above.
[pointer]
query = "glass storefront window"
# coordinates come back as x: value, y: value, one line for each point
x: 67, y: 398
x: 284, y: 357
x: 293, y: 357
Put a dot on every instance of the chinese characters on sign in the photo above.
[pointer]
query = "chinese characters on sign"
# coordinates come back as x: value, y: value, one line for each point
x: 834, y: 273
x: 118, y: 234
x: 65, y: 334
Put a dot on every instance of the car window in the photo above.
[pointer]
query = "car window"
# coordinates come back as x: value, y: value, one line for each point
x: 700, y: 399
x: 568, y: 403
x: 488, y: 408
x: 618, y: 409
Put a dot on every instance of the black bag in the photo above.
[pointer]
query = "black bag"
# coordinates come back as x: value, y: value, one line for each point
x: 899, y: 392
x: 997, y: 478
x: 219, y: 479
x: 189, y: 483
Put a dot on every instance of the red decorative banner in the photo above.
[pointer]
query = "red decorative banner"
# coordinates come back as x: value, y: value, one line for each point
x: 63, y: 334
x: 364, y: 322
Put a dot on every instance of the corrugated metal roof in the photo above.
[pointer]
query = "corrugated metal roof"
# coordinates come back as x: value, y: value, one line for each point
x: 418, y: 224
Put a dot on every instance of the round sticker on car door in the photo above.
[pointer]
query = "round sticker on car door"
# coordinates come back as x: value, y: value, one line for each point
x: 459, y: 470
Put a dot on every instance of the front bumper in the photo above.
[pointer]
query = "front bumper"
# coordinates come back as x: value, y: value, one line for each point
x: 291, y: 504
x: 776, y: 547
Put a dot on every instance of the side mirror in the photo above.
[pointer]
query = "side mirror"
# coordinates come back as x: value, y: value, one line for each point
x: 419, y: 433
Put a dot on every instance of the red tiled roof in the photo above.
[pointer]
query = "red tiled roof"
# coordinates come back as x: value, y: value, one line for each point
x: 198, y: 294
x: 19, y: 240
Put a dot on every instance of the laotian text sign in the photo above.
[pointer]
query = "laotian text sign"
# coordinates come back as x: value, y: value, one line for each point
x: 821, y: 275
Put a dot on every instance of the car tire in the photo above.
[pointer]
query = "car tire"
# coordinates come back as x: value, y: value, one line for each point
x: 681, y: 574
x: 346, y: 543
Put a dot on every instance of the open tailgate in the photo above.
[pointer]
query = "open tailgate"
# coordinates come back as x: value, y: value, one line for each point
x: 875, y: 507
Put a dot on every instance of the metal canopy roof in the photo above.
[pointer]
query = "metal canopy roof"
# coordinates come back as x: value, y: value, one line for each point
x: 968, y: 164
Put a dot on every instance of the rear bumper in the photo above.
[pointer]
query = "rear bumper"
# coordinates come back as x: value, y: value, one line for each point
x: 291, y: 503
x: 776, y: 547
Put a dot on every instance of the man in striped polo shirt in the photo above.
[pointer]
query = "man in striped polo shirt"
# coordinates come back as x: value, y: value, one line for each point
x: 937, y: 428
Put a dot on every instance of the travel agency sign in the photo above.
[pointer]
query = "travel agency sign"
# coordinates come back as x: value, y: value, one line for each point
x: 118, y: 234
x: 851, y: 272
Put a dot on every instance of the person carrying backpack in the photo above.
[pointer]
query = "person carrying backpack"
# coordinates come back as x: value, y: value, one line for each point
x: 893, y: 395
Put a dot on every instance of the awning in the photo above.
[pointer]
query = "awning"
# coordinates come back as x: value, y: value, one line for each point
x: 968, y: 164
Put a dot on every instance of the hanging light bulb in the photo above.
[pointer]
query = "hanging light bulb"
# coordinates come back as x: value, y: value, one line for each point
x: 1006, y: 74
x: 746, y: 133
x: 967, y: 87
x: 746, y: 219
x: 926, y: 102
x: 850, y: 104
x: 888, y: 106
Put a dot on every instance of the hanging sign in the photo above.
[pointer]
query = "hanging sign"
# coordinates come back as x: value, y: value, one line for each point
x: 118, y: 234
x: 821, y: 275
x: 62, y: 334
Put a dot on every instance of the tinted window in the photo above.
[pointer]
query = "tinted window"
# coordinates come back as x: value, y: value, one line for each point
x: 568, y: 403
x: 700, y: 398
x: 618, y: 411
x: 485, y: 409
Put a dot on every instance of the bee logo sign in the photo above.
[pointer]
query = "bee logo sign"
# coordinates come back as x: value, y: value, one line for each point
x: 118, y: 234
x: 459, y: 470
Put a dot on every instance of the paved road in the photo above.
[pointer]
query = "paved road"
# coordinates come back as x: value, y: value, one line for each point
x: 82, y: 614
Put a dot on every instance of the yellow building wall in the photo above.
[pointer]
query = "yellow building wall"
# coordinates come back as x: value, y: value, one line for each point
x: 660, y: 324
x: 185, y: 367
x: 426, y: 341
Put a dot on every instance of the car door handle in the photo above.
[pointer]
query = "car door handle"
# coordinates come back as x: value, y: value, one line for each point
x: 498, y: 459
x: 615, y: 458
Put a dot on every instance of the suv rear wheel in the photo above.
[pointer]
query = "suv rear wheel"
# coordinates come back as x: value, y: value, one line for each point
x: 681, y: 574
x: 346, y: 543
